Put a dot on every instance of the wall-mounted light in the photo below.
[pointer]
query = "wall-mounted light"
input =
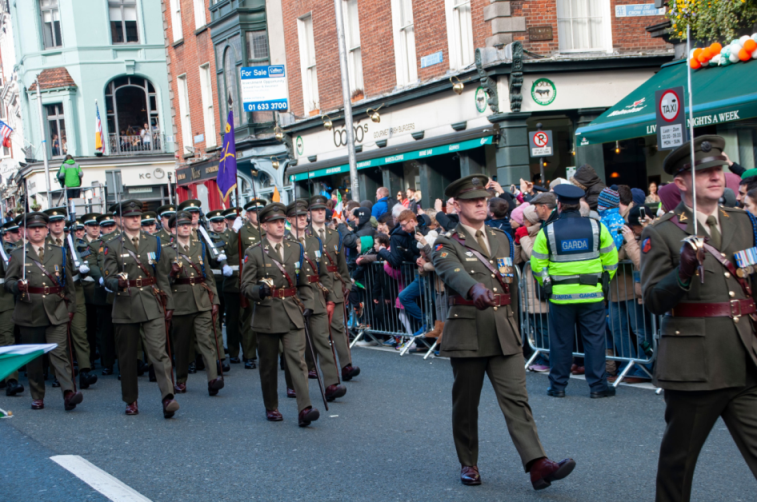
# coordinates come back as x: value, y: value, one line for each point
x: 278, y: 133
x: 327, y: 123
x: 615, y: 175
x: 374, y: 114
x: 275, y: 162
x: 617, y: 147
x: 457, y: 85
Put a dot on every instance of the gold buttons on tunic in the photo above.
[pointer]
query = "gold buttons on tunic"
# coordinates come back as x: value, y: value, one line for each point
x: 731, y: 294
x: 678, y: 332
x: 727, y: 274
x: 495, y: 289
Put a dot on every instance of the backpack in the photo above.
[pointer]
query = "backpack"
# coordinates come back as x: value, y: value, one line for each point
x: 390, y: 203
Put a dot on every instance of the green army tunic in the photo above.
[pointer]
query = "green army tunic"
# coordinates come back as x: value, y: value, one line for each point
x: 7, y: 305
x: 216, y: 270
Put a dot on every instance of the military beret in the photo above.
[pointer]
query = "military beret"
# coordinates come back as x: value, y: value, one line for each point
x: 470, y: 187
x: 708, y: 152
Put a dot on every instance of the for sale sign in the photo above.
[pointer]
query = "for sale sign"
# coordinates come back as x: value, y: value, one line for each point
x: 540, y: 143
x: 264, y: 88
x: 671, y: 118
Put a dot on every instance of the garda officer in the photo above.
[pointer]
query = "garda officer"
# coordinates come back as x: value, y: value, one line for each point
x: 337, y: 281
x: 707, y: 355
x: 575, y: 258
x: 270, y: 279
x: 311, y: 294
x: 481, y: 335
x: 7, y: 305
x: 79, y: 339
x: 196, y: 301
x: 149, y: 223
x: 137, y: 270
x: 217, y: 259
x: 194, y: 208
x: 165, y: 213
x: 46, y: 304
x: 103, y: 297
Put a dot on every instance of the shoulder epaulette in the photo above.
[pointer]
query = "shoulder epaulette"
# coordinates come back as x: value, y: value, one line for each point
x: 665, y: 217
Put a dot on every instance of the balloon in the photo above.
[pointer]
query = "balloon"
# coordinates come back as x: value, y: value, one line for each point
x: 750, y: 45
x: 695, y: 65
x: 702, y: 57
x: 734, y: 57
x: 716, y: 48
x: 696, y: 54
x: 744, y: 55
x: 743, y: 39
x: 715, y: 59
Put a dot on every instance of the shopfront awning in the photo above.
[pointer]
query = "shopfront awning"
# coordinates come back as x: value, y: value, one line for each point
x: 422, y: 149
x: 721, y: 94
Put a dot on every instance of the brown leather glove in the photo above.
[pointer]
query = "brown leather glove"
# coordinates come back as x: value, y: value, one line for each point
x: 123, y: 284
x: 70, y: 316
x: 175, y: 269
x: 482, y: 297
x: 214, y: 310
x: 23, y: 286
x: 689, y: 262
x: 330, y: 309
x: 169, y: 315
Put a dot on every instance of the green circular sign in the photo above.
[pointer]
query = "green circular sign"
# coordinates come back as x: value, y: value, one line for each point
x: 481, y: 100
x: 543, y: 91
x: 300, y: 145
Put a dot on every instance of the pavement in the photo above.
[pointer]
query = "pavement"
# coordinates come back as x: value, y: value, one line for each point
x: 388, y: 439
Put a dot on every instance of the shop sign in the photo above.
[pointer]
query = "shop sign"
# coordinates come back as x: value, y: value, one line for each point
x: 300, y: 145
x: 191, y: 174
x: 481, y: 100
x: 543, y: 91
x: 540, y: 33
x: 634, y: 107
x: 264, y: 88
x: 540, y: 143
x: 671, y: 118
x: 340, y: 135
x: 638, y: 10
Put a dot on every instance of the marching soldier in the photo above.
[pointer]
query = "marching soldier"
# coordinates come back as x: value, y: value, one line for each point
x: 194, y: 208
x: 88, y: 250
x: 149, y: 223
x: 104, y: 298
x: 78, y: 228
x: 137, y: 270
x: 11, y: 235
x: 336, y: 283
x: 312, y: 295
x: 165, y: 213
x: 707, y: 354
x: 46, y: 304
x: 250, y: 234
x: 196, y: 301
x: 270, y: 280
x: 217, y: 261
x: 57, y: 221
x: 7, y: 306
x: 481, y: 335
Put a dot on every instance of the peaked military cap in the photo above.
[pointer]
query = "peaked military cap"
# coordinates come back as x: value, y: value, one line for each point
x: 106, y: 219
x: 273, y: 211
x: 216, y: 215
x: 148, y: 217
x: 19, y: 219
x: 569, y: 194
x: 192, y: 205
x: 297, y: 208
x: 78, y: 225
x: 708, y: 152
x: 167, y: 210
x: 10, y: 226
x: 36, y: 219
x: 470, y: 187
x: 255, y: 205
x: 56, y: 213
x: 132, y: 207
x: 180, y: 218
x: 90, y: 218
x: 318, y: 202
x: 232, y: 213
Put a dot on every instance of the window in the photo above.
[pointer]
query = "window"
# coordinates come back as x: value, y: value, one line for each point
x: 176, y: 20
x: 207, y: 105
x: 307, y: 64
x: 123, y: 21
x: 199, y: 14
x: 404, y: 41
x: 352, y: 38
x: 460, y: 33
x: 228, y: 84
x: 131, y: 109
x: 56, y: 128
x: 584, y: 25
x: 257, y: 55
x: 186, y: 121
x: 50, y: 23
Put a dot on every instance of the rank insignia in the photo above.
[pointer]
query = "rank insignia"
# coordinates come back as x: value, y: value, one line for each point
x: 469, y: 254
x: 646, y: 246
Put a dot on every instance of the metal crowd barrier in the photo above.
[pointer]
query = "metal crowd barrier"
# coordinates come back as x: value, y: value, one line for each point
x: 629, y: 324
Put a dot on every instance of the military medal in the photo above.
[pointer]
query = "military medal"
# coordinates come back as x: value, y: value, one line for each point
x: 746, y: 260
x: 318, y: 254
x: 505, y: 266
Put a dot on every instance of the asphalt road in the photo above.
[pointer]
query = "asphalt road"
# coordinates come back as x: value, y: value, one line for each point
x: 388, y: 439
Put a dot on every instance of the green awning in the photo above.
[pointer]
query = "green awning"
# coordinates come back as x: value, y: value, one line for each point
x: 400, y: 157
x: 721, y: 94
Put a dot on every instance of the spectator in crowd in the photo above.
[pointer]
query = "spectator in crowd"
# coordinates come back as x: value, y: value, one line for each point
x: 402, y: 241
x: 544, y: 205
x: 607, y: 203
x: 396, y: 211
x: 555, y: 182
x: 729, y: 198
x: 586, y: 179
x: 401, y: 199
x: 498, y: 211
x: 382, y: 204
x: 750, y: 201
x: 360, y: 221
x: 638, y: 197
x: 448, y: 220
x: 385, y: 224
x: 748, y: 182
x: 410, y: 201
x: 670, y: 196
x: 69, y: 176
x: 625, y: 200
x: 516, y: 217
x: 653, y: 197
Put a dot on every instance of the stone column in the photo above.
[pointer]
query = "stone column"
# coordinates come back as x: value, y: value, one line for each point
x: 469, y: 165
x: 392, y: 181
x: 512, y: 156
x: 497, y: 13
x: 366, y: 186
x: 590, y: 154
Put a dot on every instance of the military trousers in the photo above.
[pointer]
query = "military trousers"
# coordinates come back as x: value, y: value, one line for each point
x: 197, y: 326
x: 339, y: 335
x: 591, y: 319
x: 105, y: 336
x: 249, y: 337
x: 234, y: 324
x: 294, y: 351
x: 127, y: 346
x: 507, y: 375
x: 690, y: 416
x: 60, y: 357
x: 92, y: 326
x: 319, y: 332
x: 8, y: 336
x: 79, y: 331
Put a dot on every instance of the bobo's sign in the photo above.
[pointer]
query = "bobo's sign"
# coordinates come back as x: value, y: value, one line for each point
x: 264, y: 88
x: 671, y: 118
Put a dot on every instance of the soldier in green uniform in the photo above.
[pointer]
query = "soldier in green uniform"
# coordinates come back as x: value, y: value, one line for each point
x: 270, y: 279
x: 46, y: 304
x: 217, y: 260
x: 103, y: 297
x: 7, y: 305
x: 336, y: 283
x: 194, y: 208
x: 165, y: 213
x: 196, y: 301
x: 481, y: 335
x: 137, y: 271
x: 707, y: 350
x: 88, y: 250
x: 312, y: 294
x: 250, y: 234
x: 11, y: 235
x: 149, y: 223
x: 79, y: 339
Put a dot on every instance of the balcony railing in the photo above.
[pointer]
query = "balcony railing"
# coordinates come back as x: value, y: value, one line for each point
x: 136, y: 144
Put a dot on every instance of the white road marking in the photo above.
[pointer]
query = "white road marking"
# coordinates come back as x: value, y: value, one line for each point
x: 98, y: 479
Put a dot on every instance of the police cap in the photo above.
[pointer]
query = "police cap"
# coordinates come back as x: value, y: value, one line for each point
x: 569, y: 194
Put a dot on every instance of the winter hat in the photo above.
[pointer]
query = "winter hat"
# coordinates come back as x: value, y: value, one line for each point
x: 366, y: 243
x: 531, y: 215
x: 729, y: 198
x: 638, y: 196
x: 608, y: 199
x: 557, y: 181
x: 517, y: 213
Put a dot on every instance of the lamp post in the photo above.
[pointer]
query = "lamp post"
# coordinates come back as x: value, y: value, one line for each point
x: 44, y: 146
x: 347, y: 99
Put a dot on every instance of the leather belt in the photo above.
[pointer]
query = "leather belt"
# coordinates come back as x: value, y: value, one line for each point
x: 47, y: 290
x: 191, y: 280
x: 734, y: 308
x: 499, y: 301
x: 312, y: 279
x: 283, y: 292
x: 331, y: 268
x: 138, y: 283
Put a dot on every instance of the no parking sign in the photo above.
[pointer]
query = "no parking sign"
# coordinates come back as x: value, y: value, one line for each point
x: 540, y: 143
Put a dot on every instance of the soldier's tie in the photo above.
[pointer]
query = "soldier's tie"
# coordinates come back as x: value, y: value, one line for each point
x: 321, y: 232
x: 135, y: 241
x: 482, y: 242
x: 715, y: 238
x: 278, y: 252
x: 59, y: 242
x: 41, y: 253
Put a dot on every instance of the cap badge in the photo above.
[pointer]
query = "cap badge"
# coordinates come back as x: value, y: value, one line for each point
x: 706, y: 146
x: 475, y: 182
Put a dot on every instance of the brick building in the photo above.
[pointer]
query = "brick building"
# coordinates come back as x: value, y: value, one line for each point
x: 521, y: 63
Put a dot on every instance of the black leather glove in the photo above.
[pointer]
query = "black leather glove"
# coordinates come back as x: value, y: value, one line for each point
x: 482, y: 297
x: 263, y: 291
x: 307, y: 313
x: 122, y: 283
x: 688, y: 262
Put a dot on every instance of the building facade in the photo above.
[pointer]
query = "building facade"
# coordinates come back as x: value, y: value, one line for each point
x: 519, y: 66
x: 89, y: 56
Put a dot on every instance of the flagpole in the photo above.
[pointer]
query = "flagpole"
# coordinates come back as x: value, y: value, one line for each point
x: 44, y: 147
